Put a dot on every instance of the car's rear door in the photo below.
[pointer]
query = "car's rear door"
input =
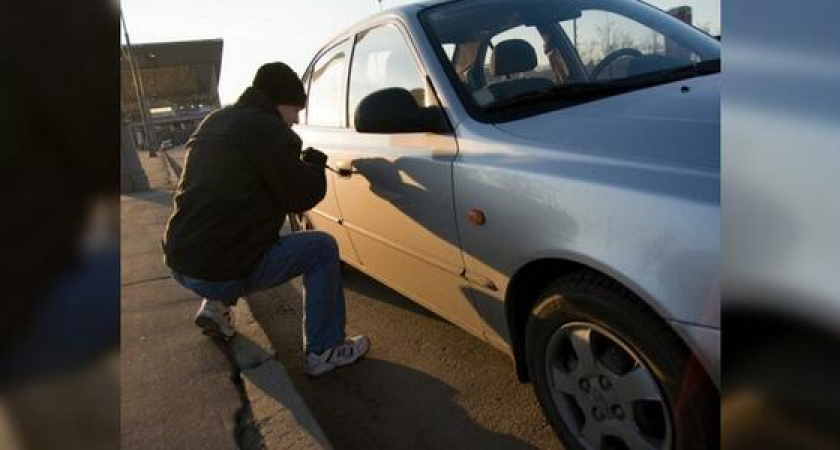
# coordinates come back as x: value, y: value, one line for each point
x: 324, y: 127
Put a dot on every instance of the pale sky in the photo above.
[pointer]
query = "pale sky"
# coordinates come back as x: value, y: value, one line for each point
x: 260, y: 31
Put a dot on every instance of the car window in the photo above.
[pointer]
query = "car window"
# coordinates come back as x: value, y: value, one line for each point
x: 325, y: 106
x: 598, y: 34
x: 520, y: 54
x: 383, y: 60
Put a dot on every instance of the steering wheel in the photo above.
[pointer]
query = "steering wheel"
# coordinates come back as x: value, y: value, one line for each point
x: 611, y: 58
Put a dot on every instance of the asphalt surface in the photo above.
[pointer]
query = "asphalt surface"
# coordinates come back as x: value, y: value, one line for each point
x: 424, y: 384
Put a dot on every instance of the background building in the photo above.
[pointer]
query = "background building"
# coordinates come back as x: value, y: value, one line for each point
x: 180, y: 81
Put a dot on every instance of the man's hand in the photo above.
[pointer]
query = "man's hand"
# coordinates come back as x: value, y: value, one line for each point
x: 313, y: 157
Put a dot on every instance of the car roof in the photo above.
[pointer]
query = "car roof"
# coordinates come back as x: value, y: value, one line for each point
x: 405, y: 12
x: 420, y: 5
x: 429, y: 3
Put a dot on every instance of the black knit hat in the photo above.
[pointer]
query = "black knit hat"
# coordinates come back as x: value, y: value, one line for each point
x: 280, y: 84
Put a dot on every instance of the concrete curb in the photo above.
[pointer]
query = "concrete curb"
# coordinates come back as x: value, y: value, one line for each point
x: 172, y: 168
x: 281, y: 416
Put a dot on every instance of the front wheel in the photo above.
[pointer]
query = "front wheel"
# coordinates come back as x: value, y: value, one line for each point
x: 609, y: 374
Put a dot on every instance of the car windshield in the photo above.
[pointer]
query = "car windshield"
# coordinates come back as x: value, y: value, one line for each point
x: 509, y: 54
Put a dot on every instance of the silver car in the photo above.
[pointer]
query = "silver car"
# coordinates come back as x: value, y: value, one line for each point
x: 544, y: 174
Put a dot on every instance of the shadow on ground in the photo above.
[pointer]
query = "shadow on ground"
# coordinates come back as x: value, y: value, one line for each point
x: 397, y: 418
x: 361, y: 284
x: 159, y: 197
x: 379, y: 403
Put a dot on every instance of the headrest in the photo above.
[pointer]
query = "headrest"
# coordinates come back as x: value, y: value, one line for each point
x: 513, y: 56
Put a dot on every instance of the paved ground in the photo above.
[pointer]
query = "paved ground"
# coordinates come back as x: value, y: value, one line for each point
x: 177, y: 390
x: 425, y: 384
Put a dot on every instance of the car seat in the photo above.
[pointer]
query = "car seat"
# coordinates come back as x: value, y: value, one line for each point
x: 510, y: 57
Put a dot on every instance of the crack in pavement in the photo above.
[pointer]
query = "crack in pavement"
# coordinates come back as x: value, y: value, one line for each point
x: 255, y: 365
x: 246, y: 430
x: 148, y: 280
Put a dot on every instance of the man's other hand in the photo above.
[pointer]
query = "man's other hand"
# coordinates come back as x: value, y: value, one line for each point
x: 314, y: 157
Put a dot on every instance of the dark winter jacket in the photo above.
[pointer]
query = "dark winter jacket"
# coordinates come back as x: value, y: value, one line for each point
x: 242, y: 175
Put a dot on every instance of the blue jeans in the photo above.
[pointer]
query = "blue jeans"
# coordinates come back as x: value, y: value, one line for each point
x: 313, y: 254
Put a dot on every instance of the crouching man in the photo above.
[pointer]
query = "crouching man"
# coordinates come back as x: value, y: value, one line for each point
x: 244, y: 172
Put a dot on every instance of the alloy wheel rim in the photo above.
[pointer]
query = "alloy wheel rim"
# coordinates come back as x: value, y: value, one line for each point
x: 604, y: 392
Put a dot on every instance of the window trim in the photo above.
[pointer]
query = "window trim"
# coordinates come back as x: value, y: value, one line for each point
x: 335, y: 44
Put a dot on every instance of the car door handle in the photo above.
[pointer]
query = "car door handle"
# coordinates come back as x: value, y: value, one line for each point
x: 343, y: 168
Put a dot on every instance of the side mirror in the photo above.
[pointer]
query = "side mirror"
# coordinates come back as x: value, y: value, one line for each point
x: 394, y: 110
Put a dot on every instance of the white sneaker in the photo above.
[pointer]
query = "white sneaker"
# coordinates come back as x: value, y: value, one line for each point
x: 341, y: 355
x: 215, y: 319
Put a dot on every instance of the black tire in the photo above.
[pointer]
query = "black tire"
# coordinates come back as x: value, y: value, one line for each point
x: 618, y: 324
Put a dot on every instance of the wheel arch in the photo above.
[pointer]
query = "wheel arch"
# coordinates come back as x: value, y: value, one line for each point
x: 531, y: 279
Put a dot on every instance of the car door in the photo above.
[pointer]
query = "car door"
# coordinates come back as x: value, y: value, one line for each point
x: 323, y: 124
x: 398, y: 206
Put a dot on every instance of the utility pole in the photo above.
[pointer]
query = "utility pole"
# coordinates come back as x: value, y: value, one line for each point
x: 139, y: 91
